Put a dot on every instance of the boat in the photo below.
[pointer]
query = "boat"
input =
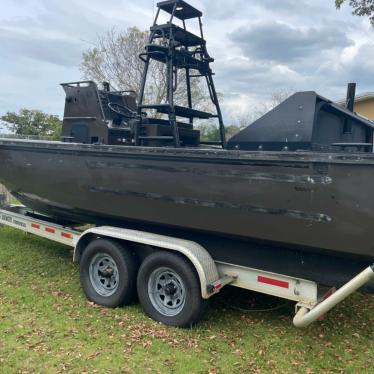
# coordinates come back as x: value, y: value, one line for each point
x: 291, y: 192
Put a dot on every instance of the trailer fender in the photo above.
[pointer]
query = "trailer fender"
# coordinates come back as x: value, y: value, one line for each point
x: 198, y: 255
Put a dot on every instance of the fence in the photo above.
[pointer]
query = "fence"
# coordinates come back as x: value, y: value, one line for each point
x: 25, y: 137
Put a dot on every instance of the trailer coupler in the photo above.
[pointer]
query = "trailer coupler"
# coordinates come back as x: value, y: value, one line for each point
x: 305, y: 316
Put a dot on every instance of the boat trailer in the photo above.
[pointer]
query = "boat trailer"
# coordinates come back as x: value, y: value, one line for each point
x: 313, y: 302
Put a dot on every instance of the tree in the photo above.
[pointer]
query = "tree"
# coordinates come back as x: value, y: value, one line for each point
x: 360, y: 7
x: 240, y: 121
x: 276, y: 98
x: 34, y: 123
x: 115, y: 59
x: 210, y: 132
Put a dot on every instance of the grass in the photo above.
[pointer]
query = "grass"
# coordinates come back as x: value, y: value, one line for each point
x: 13, y: 200
x: 47, y: 326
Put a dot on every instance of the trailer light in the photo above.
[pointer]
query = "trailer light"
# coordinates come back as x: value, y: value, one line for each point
x: 273, y: 282
x: 217, y: 286
x: 67, y: 235
x: 35, y: 226
x: 51, y: 231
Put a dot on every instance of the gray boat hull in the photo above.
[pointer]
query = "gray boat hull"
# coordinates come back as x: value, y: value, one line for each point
x: 317, y: 201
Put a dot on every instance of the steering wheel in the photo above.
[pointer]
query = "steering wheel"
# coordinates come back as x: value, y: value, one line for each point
x: 122, y: 110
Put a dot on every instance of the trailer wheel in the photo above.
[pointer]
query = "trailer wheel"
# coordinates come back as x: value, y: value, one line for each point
x: 108, y: 273
x: 169, y: 290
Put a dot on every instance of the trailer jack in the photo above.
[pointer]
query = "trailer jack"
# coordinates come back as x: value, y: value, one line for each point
x: 305, y: 316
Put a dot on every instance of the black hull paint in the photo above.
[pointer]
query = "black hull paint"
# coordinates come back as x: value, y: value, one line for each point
x: 316, y: 201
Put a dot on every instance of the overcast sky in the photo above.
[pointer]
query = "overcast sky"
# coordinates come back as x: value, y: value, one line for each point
x: 260, y: 46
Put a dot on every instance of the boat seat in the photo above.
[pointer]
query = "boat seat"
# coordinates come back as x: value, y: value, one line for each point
x: 181, y: 58
x: 159, y: 132
x: 165, y: 122
x: 180, y: 111
x: 184, y: 10
x: 182, y: 36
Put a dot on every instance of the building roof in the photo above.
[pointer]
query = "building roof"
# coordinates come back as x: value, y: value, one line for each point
x: 359, y: 98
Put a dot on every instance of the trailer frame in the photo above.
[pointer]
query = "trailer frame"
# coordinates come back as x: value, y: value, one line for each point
x: 311, y: 299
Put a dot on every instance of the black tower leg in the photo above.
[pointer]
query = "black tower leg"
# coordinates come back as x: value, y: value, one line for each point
x: 189, y: 94
x: 138, y: 124
x: 144, y: 81
x: 172, y: 117
x: 214, y: 97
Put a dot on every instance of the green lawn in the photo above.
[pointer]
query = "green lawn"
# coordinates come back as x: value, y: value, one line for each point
x: 47, y: 325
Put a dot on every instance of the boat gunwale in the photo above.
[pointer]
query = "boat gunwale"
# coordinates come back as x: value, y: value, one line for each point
x: 191, y: 154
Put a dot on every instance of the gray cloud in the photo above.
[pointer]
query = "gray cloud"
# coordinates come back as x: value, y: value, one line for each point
x: 253, y: 77
x: 282, y: 43
x: 261, y: 46
x: 57, y: 51
x: 58, y: 31
x: 255, y: 10
x: 362, y: 67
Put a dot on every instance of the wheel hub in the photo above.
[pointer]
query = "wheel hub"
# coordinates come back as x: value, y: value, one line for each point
x: 170, y: 289
x: 104, y: 275
x: 167, y: 292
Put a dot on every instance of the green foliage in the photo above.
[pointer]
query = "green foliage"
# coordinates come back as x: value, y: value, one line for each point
x: 360, y: 7
x: 210, y: 132
x: 34, y: 123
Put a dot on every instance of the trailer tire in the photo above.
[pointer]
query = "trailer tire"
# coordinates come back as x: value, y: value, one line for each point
x: 108, y: 273
x: 169, y: 290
